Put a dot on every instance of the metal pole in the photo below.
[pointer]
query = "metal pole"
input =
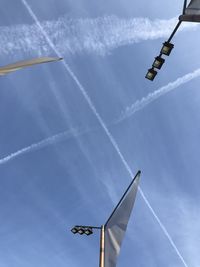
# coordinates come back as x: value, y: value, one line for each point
x: 184, y: 6
x: 174, y: 31
x: 102, y: 247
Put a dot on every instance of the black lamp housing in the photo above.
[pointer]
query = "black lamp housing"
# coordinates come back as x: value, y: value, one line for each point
x: 88, y: 231
x: 74, y: 230
x: 167, y: 48
x: 81, y: 231
x: 151, y: 74
x: 158, y: 62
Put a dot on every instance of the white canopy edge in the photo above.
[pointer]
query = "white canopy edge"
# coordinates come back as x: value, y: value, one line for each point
x: 26, y: 63
x: 191, y: 12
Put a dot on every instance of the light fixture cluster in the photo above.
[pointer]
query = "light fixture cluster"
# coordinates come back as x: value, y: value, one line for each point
x: 82, y: 230
x: 159, y: 61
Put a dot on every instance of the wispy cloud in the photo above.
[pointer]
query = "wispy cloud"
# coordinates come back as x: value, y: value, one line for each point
x: 84, y: 35
x: 188, y: 220
x: 103, y: 125
x: 182, y: 220
x: 43, y: 143
x: 170, y: 239
x: 140, y: 104
x: 128, y: 112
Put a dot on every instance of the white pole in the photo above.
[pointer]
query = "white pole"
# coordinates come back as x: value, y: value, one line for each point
x: 102, y: 247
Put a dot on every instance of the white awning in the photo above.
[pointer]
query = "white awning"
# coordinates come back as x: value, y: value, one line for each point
x: 116, y: 225
x: 192, y: 12
x: 22, y: 64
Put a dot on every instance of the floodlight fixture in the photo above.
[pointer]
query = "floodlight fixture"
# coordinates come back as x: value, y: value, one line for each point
x: 82, y: 229
x: 74, y: 230
x: 88, y: 231
x: 167, y: 48
x: 151, y: 74
x: 158, y: 62
x: 190, y: 13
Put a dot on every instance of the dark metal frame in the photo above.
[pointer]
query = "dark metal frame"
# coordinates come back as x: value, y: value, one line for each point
x: 179, y: 23
x: 184, y: 6
x: 174, y: 31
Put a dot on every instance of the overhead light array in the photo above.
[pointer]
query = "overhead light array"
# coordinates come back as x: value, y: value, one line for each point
x: 82, y: 230
x: 159, y: 61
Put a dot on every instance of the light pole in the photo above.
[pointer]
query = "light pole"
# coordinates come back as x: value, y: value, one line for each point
x: 165, y: 50
x: 113, y: 231
x: 190, y: 13
x: 88, y: 230
x: 102, y: 247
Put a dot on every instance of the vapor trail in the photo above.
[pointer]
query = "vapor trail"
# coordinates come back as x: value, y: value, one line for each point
x: 163, y: 228
x: 140, y: 104
x: 84, y: 35
x: 112, y: 140
x: 51, y: 140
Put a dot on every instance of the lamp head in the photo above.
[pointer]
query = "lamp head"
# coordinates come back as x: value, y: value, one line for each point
x: 81, y: 231
x: 88, y: 231
x: 74, y: 230
x: 151, y: 74
x: 158, y: 62
x: 167, y: 48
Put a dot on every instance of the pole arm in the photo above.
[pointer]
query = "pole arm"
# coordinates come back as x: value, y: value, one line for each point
x: 178, y: 24
x: 184, y: 6
x: 174, y: 31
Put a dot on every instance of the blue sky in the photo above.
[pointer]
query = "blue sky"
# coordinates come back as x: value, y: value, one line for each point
x: 65, y: 157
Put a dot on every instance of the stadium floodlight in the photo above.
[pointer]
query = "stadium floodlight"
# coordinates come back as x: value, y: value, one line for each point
x: 88, y: 231
x: 113, y: 231
x: 81, y: 229
x: 158, y: 62
x: 151, y: 74
x: 190, y: 13
x: 167, y: 48
x: 74, y: 230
